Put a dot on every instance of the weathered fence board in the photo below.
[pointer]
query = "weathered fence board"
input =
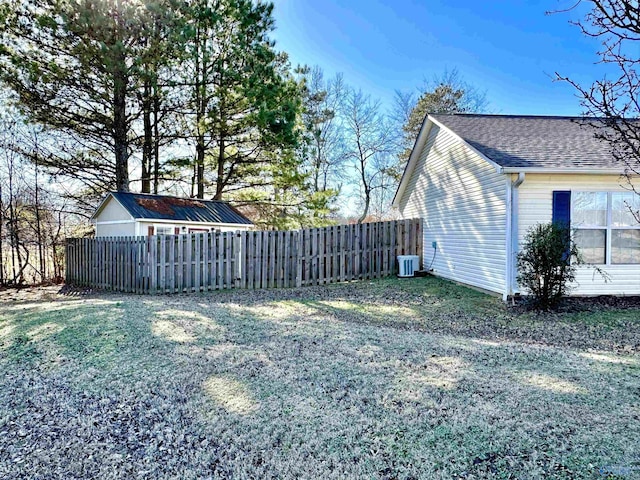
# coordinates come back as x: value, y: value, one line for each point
x: 253, y: 260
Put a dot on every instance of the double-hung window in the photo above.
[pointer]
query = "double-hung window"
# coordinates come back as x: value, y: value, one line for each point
x: 605, y: 226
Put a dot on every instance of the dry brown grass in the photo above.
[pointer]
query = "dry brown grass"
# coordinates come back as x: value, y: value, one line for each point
x: 386, y: 379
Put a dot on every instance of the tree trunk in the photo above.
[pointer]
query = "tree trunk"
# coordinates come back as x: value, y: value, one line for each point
x: 120, y: 124
x: 366, y: 185
x: 200, y: 154
x: 40, y: 239
x: 148, y: 140
x: 201, y: 107
x: 12, y: 226
x: 120, y: 134
x: 193, y: 182
x: 367, y: 203
x: 2, y: 280
x: 156, y: 139
x: 220, y: 174
x: 16, y: 256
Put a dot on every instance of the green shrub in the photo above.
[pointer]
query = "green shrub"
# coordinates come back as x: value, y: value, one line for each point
x: 545, y: 266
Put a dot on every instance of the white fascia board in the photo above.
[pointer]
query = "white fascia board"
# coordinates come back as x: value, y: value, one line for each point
x: 498, y: 168
x: 102, y: 205
x: 187, y: 222
x: 112, y: 222
x: 560, y: 170
x: 413, y: 159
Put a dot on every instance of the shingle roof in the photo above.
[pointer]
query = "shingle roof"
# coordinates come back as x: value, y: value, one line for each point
x: 533, y: 141
x: 162, y: 207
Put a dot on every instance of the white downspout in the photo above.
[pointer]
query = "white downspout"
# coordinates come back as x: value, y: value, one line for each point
x: 513, y: 233
x: 507, y: 241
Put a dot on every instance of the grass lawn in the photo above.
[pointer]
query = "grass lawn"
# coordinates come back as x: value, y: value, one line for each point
x: 387, y: 379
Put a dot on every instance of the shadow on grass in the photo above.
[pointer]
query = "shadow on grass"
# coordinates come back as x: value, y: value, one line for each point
x: 312, y: 385
x: 88, y: 331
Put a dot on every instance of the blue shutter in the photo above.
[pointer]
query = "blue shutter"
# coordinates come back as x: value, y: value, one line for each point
x: 562, y: 208
x: 562, y: 215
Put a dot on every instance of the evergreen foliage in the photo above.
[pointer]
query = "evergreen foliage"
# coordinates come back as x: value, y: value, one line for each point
x: 547, y: 263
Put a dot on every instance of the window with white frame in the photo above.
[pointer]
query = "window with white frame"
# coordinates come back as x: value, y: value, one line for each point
x: 605, y: 226
x: 164, y: 229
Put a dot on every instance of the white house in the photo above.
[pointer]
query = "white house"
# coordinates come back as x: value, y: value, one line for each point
x: 137, y: 214
x: 480, y: 182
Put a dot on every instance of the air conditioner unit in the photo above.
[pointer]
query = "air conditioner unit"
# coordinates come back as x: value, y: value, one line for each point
x: 408, y: 265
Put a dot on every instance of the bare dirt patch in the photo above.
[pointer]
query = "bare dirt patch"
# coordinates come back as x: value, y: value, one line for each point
x: 30, y: 294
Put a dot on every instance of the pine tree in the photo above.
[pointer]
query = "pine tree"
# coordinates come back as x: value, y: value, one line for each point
x: 244, y: 102
x: 70, y: 65
x: 448, y: 93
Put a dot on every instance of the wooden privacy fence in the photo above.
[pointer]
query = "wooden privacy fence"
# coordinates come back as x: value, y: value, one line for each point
x: 243, y: 259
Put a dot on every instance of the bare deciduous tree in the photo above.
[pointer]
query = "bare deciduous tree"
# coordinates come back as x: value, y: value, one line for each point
x: 446, y: 93
x: 323, y: 141
x: 31, y: 219
x: 368, y: 144
x: 614, y: 100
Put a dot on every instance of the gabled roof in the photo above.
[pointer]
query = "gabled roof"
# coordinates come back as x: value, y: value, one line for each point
x: 524, y: 141
x: 164, y: 207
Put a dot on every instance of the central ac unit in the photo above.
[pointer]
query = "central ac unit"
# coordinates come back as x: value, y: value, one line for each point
x: 408, y: 265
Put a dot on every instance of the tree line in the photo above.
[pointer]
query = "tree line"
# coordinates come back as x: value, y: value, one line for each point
x: 194, y: 98
x: 34, y: 219
x: 189, y: 98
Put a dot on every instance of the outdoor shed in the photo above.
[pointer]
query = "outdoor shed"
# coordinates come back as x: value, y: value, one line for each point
x: 138, y: 214
x: 479, y: 182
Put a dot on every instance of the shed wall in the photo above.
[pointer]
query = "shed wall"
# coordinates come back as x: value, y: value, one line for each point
x: 115, y: 229
x: 113, y: 211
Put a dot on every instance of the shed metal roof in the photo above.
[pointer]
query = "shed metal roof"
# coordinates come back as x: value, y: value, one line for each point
x: 164, y: 207
x: 525, y: 141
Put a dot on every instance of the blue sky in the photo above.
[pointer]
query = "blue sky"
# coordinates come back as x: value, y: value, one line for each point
x: 510, y: 49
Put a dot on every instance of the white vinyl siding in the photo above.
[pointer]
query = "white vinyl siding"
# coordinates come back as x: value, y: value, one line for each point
x: 114, y: 220
x: 127, y: 229
x: 112, y: 211
x: 535, y: 202
x: 462, y: 200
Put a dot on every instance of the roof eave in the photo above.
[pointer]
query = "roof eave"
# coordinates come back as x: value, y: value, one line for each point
x: 150, y: 218
x: 430, y: 120
x: 560, y: 170
x: 413, y: 158
x: 173, y: 220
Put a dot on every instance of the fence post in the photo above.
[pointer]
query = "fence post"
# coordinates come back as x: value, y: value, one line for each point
x: 211, y: 254
x: 228, y: 267
x: 271, y: 260
x: 298, y: 257
x: 197, y: 262
x: 237, y: 259
x: 153, y: 247
x: 67, y: 262
x: 287, y: 259
x: 251, y: 259
x: 419, y: 242
x: 244, y: 263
